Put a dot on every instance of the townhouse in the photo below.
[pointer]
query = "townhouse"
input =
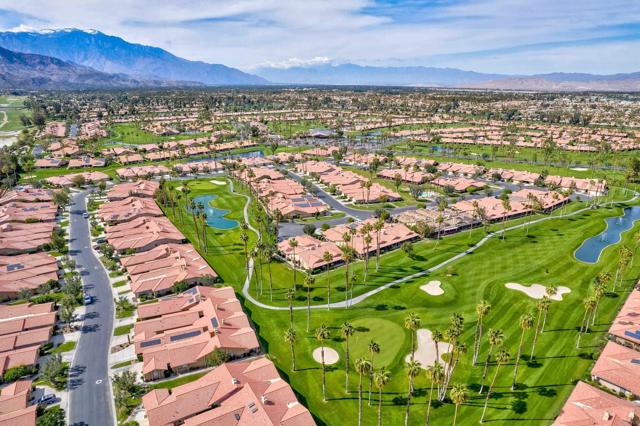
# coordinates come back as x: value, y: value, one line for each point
x: 66, y: 181
x: 139, y: 189
x: 14, y: 404
x: 26, y: 272
x: 143, y: 233
x: 310, y: 252
x: 127, y: 209
x: 136, y: 172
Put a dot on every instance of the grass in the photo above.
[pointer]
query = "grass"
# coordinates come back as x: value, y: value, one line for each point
x: 122, y: 330
x: 14, y: 109
x: 125, y: 313
x: 64, y: 347
x: 182, y: 380
x: 123, y: 364
x: 115, y: 274
x: 331, y: 216
x: 132, y: 134
x: 119, y: 283
x: 543, y: 385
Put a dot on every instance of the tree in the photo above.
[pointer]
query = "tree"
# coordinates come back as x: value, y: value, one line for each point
x: 290, y: 296
x: 347, y: 257
x: 482, y: 309
x: 66, y: 314
x: 459, y: 396
x: 407, y: 248
x: 381, y: 378
x: 293, y: 243
x: 308, y: 283
x: 496, y: 338
x: 588, y: 304
x: 435, y: 375
x: 413, y: 369
x: 54, y: 416
x: 625, y: 256
x: 526, y: 322
x: 373, y: 349
x: 502, y: 357
x: 53, y: 371
x: 290, y: 337
x: 347, y: 330
x: 244, y: 237
x: 322, y: 334
x: 542, y: 306
x: 600, y: 288
x: 377, y: 227
x: 363, y: 366
x: 412, y: 323
x: 550, y: 291
x: 327, y: 258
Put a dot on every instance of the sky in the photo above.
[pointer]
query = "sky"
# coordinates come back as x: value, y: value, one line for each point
x: 501, y: 36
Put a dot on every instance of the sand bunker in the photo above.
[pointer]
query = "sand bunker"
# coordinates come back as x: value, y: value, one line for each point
x: 579, y: 169
x: 330, y: 355
x: 218, y: 182
x: 426, y: 349
x: 537, y: 291
x: 432, y: 288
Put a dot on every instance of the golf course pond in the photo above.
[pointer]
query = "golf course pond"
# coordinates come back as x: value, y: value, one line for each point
x: 215, y: 218
x: 591, y: 248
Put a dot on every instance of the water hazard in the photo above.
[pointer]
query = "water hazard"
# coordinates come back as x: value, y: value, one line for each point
x: 215, y: 218
x: 591, y: 248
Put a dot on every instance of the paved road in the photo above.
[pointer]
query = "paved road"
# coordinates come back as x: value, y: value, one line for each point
x: 90, y: 400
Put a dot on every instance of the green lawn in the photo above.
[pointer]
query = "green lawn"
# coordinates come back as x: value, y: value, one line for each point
x: 131, y: 133
x: 543, y: 256
x: 14, y: 109
x: 182, y: 380
x: 122, y: 330
x: 65, y: 347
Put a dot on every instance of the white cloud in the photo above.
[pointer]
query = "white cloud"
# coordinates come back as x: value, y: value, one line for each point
x: 284, y: 33
x: 295, y: 62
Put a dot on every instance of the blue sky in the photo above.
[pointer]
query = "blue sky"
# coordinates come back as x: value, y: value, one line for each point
x: 505, y: 36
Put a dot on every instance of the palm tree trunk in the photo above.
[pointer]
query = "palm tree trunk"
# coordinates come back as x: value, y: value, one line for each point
x: 486, y: 369
x: 324, y: 382
x: 346, y: 366
x: 377, y: 251
x: 412, y: 348
x: 544, y: 321
x: 346, y: 285
x: 475, y: 342
x: 426, y: 419
x: 370, y: 381
x: 515, y: 369
x: 308, y: 307
x: 293, y: 358
x: 294, y: 268
x: 270, y: 281
x: 328, y: 288
x: 535, y: 336
x: 380, y: 407
x: 360, y: 401
x: 486, y: 401
x: 406, y: 415
x: 455, y: 415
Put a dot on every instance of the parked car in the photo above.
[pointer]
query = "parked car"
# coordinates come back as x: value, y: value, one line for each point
x: 46, y: 399
x: 87, y: 299
x: 85, y: 215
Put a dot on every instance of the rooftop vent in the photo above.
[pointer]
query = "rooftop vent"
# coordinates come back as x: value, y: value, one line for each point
x: 234, y: 381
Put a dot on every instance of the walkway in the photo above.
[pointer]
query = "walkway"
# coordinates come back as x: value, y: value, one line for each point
x: 355, y: 300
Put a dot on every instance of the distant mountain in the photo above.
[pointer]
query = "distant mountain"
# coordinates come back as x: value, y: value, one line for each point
x: 114, y: 55
x: 35, y: 72
x: 351, y: 74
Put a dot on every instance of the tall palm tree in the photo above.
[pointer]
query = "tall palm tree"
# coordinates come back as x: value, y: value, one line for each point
x: 496, y: 338
x: 589, y: 304
x: 378, y: 226
x: 526, y: 322
x: 600, y: 288
x: 373, y: 348
x: 194, y: 212
x: 327, y: 258
x: 413, y: 369
x: 363, y: 366
x: 290, y: 296
x: 290, y: 337
x: 542, y: 306
x: 435, y: 375
x: 502, y: 357
x: 381, y: 378
x: 308, y: 283
x: 269, y: 252
x: 482, y: 309
x: 322, y: 334
x: 437, y: 337
x: 459, y: 396
x: 293, y: 243
x: 347, y: 257
x: 550, y: 291
x: 412, y: 323
x: 244, y: 237
x: 347, y: 330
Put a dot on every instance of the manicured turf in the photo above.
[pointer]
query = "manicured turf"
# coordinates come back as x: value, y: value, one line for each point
x: 543, y: 256
x: 14, y: 110
x: 131, y: 133
x: 64, y: 347
x: 122, y: 330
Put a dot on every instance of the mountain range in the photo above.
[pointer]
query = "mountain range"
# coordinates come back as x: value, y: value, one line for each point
x: 94, y: 59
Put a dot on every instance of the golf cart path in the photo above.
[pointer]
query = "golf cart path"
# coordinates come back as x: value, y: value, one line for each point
x: 5, y: 119
x: 364, y: 296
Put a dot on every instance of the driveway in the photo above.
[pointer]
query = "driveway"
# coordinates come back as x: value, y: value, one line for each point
x: 90, y: 400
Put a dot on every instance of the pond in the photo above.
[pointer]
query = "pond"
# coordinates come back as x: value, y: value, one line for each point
x: 215, y: 217
x: 591, y: 248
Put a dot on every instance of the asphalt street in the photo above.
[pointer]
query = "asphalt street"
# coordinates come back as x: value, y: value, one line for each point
x: 90, y: 400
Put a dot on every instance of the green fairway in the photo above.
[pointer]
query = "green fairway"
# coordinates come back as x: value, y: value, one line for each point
x: 11, y: 108
x: 133, y: 134
x: 544, y: 255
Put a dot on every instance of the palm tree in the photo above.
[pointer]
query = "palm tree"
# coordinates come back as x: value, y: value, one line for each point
x: 363, y: 366
x: 194, y: 212
x: 526, y: 322
x: 290, y: 296
x: 550, y: 291
x: 542, y: 306
x: 365, y: 230
x: 290, y: 337
x: 413, y: 369
x: 412, y: 323
x: 437, y: 337
x: 293, y: 243
x: 378, y: 226
x: 435, y: 374
x: 327, y: 258
x: 373, y: 348
x: 244, y: 237
x: 308, y: 283
x: 502, y: 357
x: 459, y: 396
x: 589, y: 304
x: 496, y: 338
x: 347, y: 331
x: 269, y: 252
x: 323, y: 334
x: 600, y: 288
x: 259, y: 254
x: 381, y: 378
x: 347, y: 257
x: 482, y: 309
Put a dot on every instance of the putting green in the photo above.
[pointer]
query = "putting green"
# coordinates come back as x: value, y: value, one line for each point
x: 387, y: 334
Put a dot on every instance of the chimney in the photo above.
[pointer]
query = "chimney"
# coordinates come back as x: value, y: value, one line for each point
x: 264, y: 399
x: 606, y: 416
x: 234, y: 381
